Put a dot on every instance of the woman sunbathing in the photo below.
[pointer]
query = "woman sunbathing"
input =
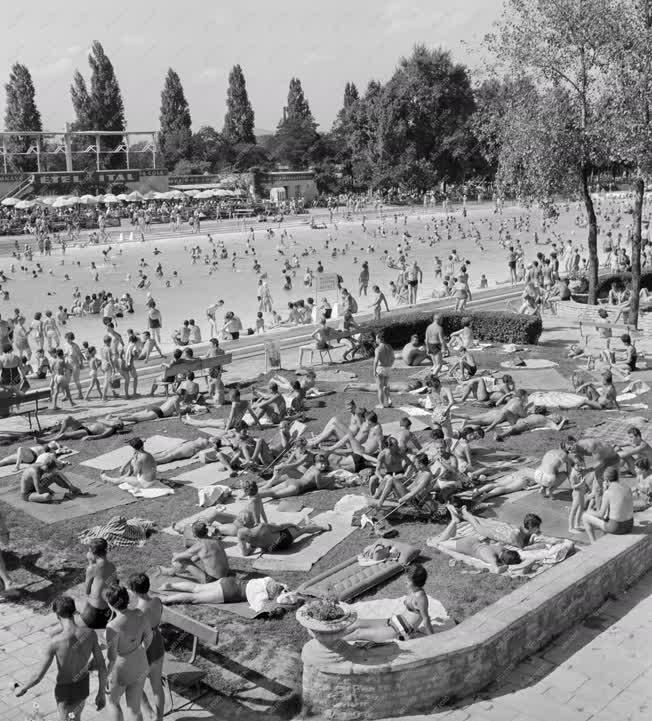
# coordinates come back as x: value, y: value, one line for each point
x: 395, y: 387
x: 29, y: 454
x: 231, y: 589
x: 597, y: 399
x: 476, y: 546
x: 72, y: 429
x: 404, y: 625
x: 186, y: 450
x: 538, y: 419
x: 509, y: 413
x: 503, y: 389
x: 517, y: 481
x: 314, y: 479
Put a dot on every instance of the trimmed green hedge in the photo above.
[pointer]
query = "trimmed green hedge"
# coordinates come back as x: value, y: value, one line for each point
x: 495, y: 326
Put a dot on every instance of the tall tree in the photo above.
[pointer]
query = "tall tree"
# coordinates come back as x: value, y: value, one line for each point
x: 81, y: 102
x: 175, y: 135
x: 628, y: 104
x: 350, y: 95
x: 21, y: 114
x: 239, y: 118
x: 564, y: 46
x: 296, y: 133
x: 298, y: 107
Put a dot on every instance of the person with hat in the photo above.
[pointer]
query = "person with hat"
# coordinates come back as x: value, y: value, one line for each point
x: 139, y: 471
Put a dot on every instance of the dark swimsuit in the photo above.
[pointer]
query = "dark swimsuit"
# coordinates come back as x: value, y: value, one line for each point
x: 73, y: 693
x: 95, y: 618
x: 156, y: 649
x: 157, y: 410
x: 285, y: 540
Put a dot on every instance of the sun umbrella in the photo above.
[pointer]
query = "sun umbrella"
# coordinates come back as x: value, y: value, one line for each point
x: 110, y: 198
x: 135, y: 197
x: 150, y: 195
x: 88, y: 200
x: 205, y: 194
x: 24, y: 204
x: 48, y: 199
x: 10, y: 201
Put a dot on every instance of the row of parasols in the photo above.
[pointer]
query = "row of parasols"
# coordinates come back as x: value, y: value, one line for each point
x: 68, y: 201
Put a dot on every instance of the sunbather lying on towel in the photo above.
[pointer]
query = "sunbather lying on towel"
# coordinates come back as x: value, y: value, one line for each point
x: 314, y: 479
x: 204, y: 561
x: 188, y: 449
x: 402, y: 626
x: 503, y: 389
x: 29, y: 454
x: 538, y: 419
x: 271, y: 538
x: 598, y: 399
x: 170, y: 407
x: 89, y: 430
x: 395, y: 387
x: 232, y: 589
x: 509, y: 413
x: 139, y: 471
x: 36, y: 481
x: 478, y: 545
x: 512, y: 482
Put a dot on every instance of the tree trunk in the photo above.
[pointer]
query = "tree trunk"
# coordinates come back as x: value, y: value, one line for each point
x: 592, y: 240
x: 639, y: 190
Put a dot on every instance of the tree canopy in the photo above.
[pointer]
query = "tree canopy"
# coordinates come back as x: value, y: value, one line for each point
x: 239, y: 118
x: 175, y: 133
x: 22, y: 114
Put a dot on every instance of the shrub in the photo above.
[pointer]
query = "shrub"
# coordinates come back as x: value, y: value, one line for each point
x: 498, y: 326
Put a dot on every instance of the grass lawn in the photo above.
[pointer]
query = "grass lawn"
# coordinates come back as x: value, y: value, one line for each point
x: 261, y: 654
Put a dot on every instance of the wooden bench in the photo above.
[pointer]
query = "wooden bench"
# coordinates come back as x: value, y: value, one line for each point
x: 196, y: 365
x: 181, y: 672
x: 14, y: 404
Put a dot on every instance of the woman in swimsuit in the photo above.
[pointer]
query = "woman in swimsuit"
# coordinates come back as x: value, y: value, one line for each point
x: 11, y: 367
x: 60, y: 376
x: 72, y: 429
x: 128, y: 637
x: 441, y: 400
x: 29, y: 454
x: 401, y: 626
x: 477, y: 387
x: 152, y: 609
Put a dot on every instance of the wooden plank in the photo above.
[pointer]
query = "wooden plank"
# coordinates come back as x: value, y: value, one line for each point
x: 206, y: 634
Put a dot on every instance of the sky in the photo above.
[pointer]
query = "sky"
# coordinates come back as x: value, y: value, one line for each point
x: 325, y: 44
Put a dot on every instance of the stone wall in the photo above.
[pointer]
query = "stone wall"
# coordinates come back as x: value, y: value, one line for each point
x: 425, y: 674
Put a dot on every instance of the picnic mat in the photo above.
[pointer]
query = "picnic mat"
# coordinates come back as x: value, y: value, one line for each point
x: 6, y: 471
x: 556, y: 399
x: 205, y: 475
x: 530, y: 363
x: 382, y: 608
x: 227, y: 513
x: 548, y: 378
x: 118, y: 457
x: 306, y: 551
x: 615, y: 431
x: 101, y: 496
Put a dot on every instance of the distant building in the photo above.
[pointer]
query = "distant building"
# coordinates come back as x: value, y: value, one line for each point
x: 296, y: 183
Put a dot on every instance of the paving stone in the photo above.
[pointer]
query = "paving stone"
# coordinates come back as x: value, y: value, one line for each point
x: 626, y: 707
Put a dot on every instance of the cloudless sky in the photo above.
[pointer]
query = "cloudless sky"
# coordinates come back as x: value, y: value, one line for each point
x: 323, y: 42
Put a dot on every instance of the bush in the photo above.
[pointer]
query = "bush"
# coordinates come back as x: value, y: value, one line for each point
x: 496, y: 326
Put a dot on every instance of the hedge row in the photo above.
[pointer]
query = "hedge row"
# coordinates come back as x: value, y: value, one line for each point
x: 495, y: 326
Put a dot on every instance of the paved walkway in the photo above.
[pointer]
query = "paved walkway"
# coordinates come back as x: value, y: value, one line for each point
x: 601, y: 671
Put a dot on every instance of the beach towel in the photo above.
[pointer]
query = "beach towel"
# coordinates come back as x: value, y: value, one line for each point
x: 120, y: 532
x: 557, y: 399
x: 532, y: 562
x: 118, y: 457
x: 156, y: 490
x: 385, y: 608
x: 529, y: 364
x: 413, y: 411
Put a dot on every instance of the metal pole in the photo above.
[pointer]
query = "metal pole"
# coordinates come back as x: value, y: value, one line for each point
x: 127, y: 148
x: 38, y: 155
x: 67, y: 140
x: 154, y: 142
x: 4, y: 152
x: 97, y: 151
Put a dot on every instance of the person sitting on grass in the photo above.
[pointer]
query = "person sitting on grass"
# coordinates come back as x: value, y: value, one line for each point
x: 270, y: 405
x: 271, y: 538
x: 624, y: 360
x: 634, y: 450
x: 295, y: 464
x: 478, y: 545
x: 36, y: 481
x: 598, y: 399
x: 264, y: 453
x: 465, y: 364
x: 414, y: 352
x: 616, y: 513
x: 462, y: 338
x: 316, y: 478
x: 239, y: 410
x: 392, y: 463
x: 140, y: 469
x: 204, y: 561
x: 404, y: 625
x: 538, y: 419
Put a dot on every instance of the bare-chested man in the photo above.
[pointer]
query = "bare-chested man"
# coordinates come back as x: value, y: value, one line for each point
x: 554, y: 469
x: 239, y: 409
x: 270, y: 405
x: 314, y: 479
x: 139, y: 471
x: 616, y: 514
x: 72, y: 648
x: 272, y: 538
x: 88, y: 430
x: 336, y: 428
x: 100, y: 573
x: 635, y: 449
x: 367, y: 441
x: 204, y: 561
x: 36, y: 481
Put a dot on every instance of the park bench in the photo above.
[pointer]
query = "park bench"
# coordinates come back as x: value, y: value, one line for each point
x: 23, y: 404
x: 197, y: 366
x: 181, y: 672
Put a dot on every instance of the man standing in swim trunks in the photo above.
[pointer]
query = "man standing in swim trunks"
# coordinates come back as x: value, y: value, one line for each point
x: 73, y: 649
x: 435, y: 343
x: 414, y: 277
x: 100, y: 573
x: 270, y: 538
x: 139, y: 471
x: 204, y: 561
x: 383, y: 362
x: 616, y: 514
x: 554, y: 469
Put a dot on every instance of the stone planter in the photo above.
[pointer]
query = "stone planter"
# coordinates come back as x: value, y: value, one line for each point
x: 328, y: 633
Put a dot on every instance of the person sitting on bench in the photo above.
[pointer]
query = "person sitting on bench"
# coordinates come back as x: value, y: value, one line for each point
x: 139, y: 471
x: 36, y: 481
x: 204, y: 561
x: 271, y: 538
